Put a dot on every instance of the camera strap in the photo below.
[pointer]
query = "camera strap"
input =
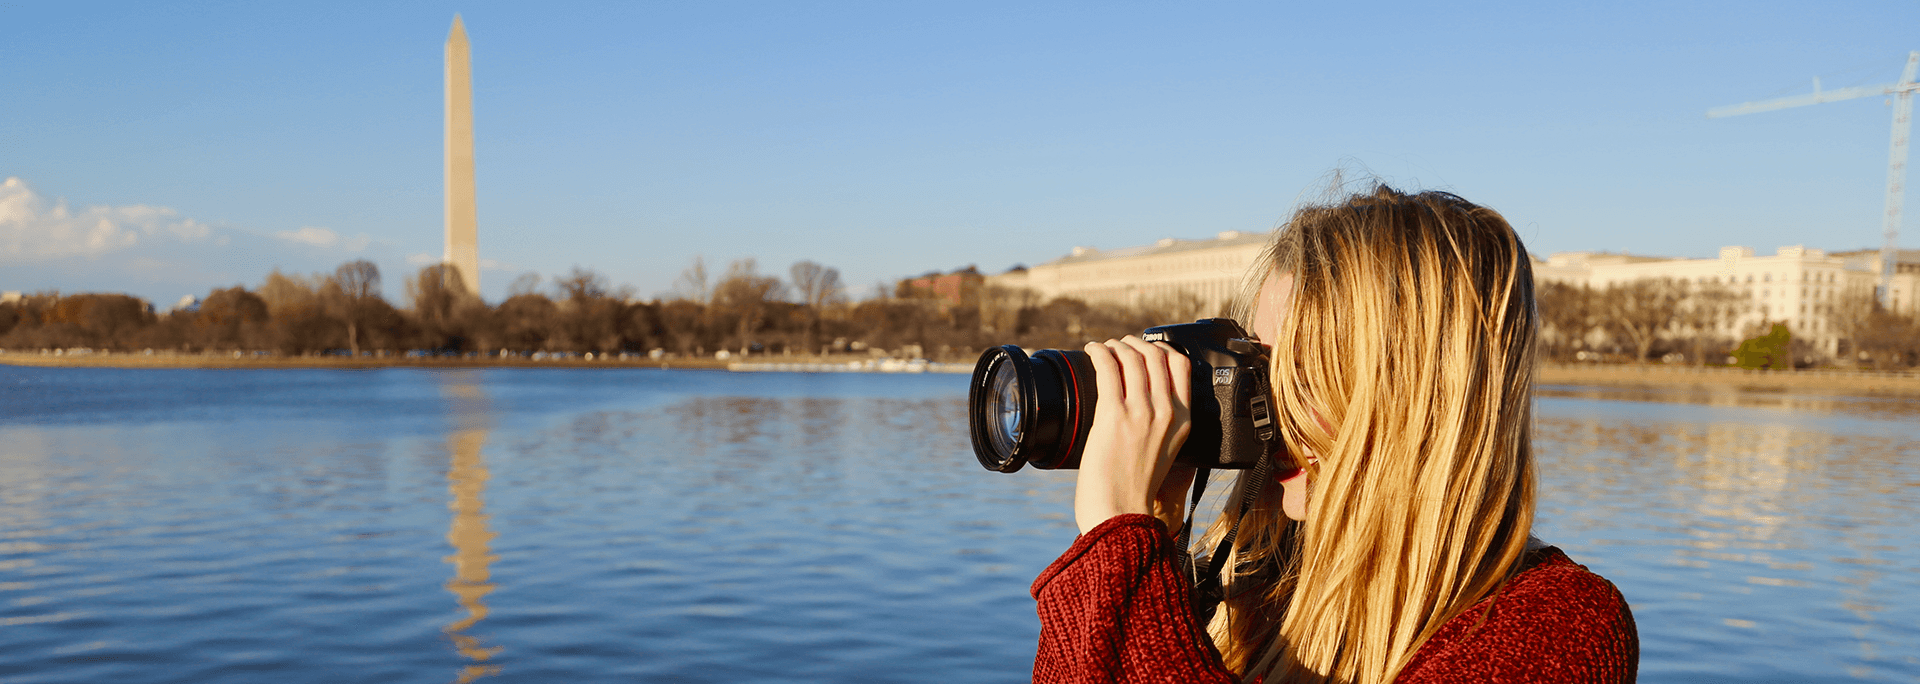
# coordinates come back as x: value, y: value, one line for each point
x: 1207, y: 589
x: 1180, y: 540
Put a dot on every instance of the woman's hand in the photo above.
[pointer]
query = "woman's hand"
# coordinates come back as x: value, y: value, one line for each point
x: 1140, y: 419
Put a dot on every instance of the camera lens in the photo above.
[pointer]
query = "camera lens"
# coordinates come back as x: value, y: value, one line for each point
x: 1030, y: 409
x: 1005, y: 412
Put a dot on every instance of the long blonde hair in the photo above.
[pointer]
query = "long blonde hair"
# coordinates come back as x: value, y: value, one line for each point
x: 1405, y: 364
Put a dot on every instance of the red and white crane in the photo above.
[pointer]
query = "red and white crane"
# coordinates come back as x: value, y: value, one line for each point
x: 1902, y: 95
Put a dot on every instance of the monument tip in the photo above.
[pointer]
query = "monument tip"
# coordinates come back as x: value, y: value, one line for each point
x: 458, y: 28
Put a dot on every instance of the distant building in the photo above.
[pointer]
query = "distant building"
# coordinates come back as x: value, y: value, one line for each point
x: 953, y: 289
x: 1210, y: 271
x: 1795, y: 285
x: 187, y: 303
x: 10, y: 296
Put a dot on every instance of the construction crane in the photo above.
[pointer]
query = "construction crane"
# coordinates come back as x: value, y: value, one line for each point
x: 1902, y: 96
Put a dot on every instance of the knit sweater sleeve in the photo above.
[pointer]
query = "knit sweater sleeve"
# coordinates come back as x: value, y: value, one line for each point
x: 1114, y: 608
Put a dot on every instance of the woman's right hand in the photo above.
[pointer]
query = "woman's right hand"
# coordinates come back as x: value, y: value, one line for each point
x: 1141, y: 418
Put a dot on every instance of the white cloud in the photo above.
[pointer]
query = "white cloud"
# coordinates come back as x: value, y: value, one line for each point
x: 312, y: 235
x: 422, y: 259
x: 33, y: 228
x: 152, y: 251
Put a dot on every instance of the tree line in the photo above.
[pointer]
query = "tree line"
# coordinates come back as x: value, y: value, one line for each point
x: 1707, y: 323
x: 738, y: 310
x: 742, y: 310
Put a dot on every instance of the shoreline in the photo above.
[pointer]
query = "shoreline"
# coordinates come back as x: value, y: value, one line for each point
x: 1849, y: 383
x: 1858, y: 383
x: 134, y: 360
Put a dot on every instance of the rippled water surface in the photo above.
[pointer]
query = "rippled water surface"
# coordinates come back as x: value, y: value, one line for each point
x: 639, y: 525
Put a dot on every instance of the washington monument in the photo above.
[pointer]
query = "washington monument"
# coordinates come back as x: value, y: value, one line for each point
x: 463, y: 249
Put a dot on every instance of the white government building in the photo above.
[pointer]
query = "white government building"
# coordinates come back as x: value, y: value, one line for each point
x: 1211, y: 270
x: 1795, y: 285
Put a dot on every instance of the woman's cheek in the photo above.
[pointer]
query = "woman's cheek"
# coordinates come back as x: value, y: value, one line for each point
x: 1293, y: 496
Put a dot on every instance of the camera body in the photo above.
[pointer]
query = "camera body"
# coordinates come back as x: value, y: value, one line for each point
x: 1039, y: 409
x: 1233, y: 423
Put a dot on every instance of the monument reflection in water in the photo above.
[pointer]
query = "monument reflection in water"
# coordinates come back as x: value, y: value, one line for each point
x: 468, y: 533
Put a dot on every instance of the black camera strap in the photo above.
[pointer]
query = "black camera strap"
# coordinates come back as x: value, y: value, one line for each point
x: 1180, y: 539
x: 1207, y: 589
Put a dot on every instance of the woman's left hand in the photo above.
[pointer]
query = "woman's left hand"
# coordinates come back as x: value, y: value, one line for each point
x: 1140, y: 419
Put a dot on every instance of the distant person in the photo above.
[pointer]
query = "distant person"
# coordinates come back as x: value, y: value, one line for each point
x: 1397, y: 547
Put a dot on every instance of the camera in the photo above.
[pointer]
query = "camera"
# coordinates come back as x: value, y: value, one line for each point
x: 1038, y: 409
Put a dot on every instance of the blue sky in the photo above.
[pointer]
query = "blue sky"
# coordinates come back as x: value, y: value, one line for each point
x: 167, y: 150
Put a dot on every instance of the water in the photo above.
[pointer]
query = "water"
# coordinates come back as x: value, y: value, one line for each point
x: 640, y: 525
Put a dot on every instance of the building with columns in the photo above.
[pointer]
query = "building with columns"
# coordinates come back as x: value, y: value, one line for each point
x: 1796, y: 285
x: 1209, y: 271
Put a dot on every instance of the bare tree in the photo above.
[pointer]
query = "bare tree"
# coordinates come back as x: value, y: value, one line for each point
x: 1568, y: 311
x: 285, y: 294
x: 525, y: 283
x: 442, y: 306
x: 693, y: 285
x: 359, y: 278
x: 1708, y: 311
x: 744, y: 293
x: 526, y: 321
x: 1182, y: 306
x: 819, y: 287
x: 359, y: 283
x: 1641, y: 309
x: 1001, y: 307
x: 1872, y: 335
x: 435, y: 289
x: 589, y: 316
x: 581, y: 284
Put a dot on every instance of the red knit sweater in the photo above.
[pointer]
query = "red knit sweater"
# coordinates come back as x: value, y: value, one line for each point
x: 1114, y: 608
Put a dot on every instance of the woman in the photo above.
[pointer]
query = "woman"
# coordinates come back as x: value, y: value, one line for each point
x: 1397, y: 546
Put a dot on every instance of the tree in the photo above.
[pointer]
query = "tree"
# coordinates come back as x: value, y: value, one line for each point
x: 1001, y: 308
x: 233, y: 305
x: 302, y: 310
x: 95, y: 320
x: 1772, y: 351
x: 1641, y: 309
x: 359, y: 283
x: 685, y: 322
x: 692, y: 284
x: 1182, y: 306
x: 526, y: 321
x: 589, y: 319
x: 285, y: 294
x: 819, y: 287
x: 442, y: 307
x: 525, y: 283
x: 581, y: 284
x: 1872, y: 335
x: 230, y: 318
x: 1708, y: 310
x: 1568, y: 312
x: 743, y: 293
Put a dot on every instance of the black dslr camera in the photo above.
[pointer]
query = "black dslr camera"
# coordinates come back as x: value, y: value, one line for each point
x: 1039, y: 409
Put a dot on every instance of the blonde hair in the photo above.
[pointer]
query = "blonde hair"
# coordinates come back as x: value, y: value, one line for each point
x: 1411, y: 334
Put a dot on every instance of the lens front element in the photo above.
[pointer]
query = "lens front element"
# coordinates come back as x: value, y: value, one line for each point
x: 1005, y: 412
x: 1001, y: 407
x: 1035, y: 410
